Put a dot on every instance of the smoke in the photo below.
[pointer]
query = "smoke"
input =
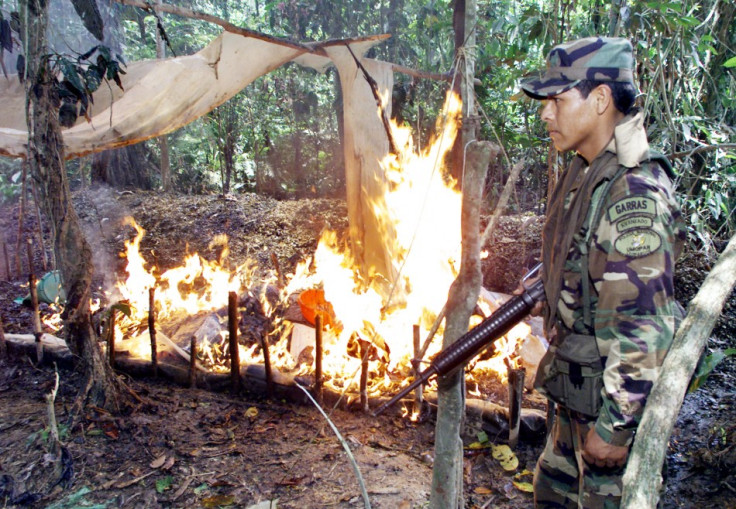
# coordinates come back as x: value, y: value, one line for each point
x: 103, y: 214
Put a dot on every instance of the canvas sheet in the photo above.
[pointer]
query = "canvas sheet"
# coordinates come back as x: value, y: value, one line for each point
x: 160, y: 96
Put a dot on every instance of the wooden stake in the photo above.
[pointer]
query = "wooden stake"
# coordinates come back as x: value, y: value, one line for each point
x: 21, y: 213
x: 318, y: 357
x: 7, y: 260
x: 3, y: 343
x: 516, y: 391
x: 37, y: 331
x: 418, y: 392
x: 152, y: 330
x: 192, y: 362
x: 111, y: 339
x: 267, y: 365
x: 279, y: 275
x: 29, y: 255
x: 232, y: 325
x: 364, y: 374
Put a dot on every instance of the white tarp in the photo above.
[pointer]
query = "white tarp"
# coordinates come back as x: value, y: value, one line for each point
x: 160, y: 96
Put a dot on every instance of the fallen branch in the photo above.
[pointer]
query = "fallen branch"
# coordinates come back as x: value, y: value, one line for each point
x: 356, y: 469
x: 54, y: 444
x: 643, y: 478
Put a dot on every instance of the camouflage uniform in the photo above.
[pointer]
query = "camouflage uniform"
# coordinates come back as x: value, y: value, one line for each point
x: 630, y: 252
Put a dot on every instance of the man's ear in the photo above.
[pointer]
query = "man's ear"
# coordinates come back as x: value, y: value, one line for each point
x: 603, y: 98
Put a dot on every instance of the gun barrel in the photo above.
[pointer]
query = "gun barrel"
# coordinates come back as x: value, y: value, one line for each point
x: 472, y: 342
x: 421, y: 379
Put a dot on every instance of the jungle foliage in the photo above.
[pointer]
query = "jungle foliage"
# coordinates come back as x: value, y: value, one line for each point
x: 281, y: 136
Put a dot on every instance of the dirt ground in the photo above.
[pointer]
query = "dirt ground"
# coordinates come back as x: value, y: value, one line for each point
x: 181, y: 447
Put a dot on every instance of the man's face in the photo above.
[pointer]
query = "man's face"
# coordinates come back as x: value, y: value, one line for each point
x: 571, y: 120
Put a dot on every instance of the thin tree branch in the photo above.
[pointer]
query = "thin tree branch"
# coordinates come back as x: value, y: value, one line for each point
x: 382, y: 110
x: 189, y: 13
x: 502, y: 201
x: 699, y: 150
x: 345, y: 446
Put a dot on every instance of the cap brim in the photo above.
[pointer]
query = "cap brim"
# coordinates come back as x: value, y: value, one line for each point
x: 540, y: 87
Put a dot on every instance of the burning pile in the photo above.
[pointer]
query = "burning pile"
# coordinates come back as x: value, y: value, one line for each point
x: 364, y: 313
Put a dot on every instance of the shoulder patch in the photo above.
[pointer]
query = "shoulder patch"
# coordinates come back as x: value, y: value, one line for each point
x: 638, y: 243
x: 632, y: 206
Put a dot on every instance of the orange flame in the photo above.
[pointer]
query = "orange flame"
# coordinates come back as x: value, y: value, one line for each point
x: 419, y: 219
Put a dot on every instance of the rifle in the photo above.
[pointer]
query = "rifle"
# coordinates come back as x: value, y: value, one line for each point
x: 476, y: 339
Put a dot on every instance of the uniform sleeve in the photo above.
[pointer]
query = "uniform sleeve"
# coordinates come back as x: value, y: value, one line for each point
x: 632, y: 257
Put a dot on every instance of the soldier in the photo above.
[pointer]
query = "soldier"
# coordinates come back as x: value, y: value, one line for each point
x: 612, y: 234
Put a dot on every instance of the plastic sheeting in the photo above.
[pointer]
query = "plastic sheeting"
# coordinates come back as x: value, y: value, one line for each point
x: 161, y: 96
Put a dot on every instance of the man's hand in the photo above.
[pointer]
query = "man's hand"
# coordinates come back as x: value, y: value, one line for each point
x: 597, y: 451
x: 539, y: 306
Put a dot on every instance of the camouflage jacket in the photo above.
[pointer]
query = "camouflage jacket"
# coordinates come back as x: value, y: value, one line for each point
x: 632, y: 252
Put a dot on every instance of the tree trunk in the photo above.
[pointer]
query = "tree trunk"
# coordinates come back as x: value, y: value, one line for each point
x: 130, y: 166
x: 643, y: 479
x: 447, y: 473
x: 46, y: 155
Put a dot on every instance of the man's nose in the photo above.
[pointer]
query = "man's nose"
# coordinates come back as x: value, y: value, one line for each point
x: 547, y: 115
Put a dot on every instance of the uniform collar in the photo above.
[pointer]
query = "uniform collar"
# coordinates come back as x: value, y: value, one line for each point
x: 629, y: 141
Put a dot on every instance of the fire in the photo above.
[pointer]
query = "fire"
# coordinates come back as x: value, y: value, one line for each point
x: 370, y: 315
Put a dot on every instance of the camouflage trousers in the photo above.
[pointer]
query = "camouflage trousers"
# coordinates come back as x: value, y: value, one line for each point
x: 562, y: 478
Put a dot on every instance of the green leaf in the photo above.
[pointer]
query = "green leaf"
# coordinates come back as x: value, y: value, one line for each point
x: 93, y: 77
x: 731, y: 62
x: 202, y: 487
x: 71, y: 75
x: 91, y: 17
x: 707, y: 365
x: 164, y: 484
x: 77, y: 501
x: 6, y: 37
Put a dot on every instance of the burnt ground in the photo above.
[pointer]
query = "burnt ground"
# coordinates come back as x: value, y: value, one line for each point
x: 181, y: 447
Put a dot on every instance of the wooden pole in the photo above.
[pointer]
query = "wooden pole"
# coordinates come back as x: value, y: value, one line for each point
x: 267, y: 364
x: 418, y: 392
x: 277, y: 267
x: 364, y: 349
x: 318, y: 357
x: 516, y: 392
x: 111, y: 339
x: 37, y: 331
x: 21, y: 213
x: 232, y: 326
x: 29, y: 255
x: 7, y: 260
x: 3, y: 343
x: 192, y: 362
x: 152, y: 330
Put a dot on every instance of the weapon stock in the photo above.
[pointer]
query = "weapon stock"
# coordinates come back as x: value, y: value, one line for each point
x: 475, y: 340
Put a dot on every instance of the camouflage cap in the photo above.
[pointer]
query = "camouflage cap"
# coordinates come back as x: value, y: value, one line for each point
x: 592, y: 58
